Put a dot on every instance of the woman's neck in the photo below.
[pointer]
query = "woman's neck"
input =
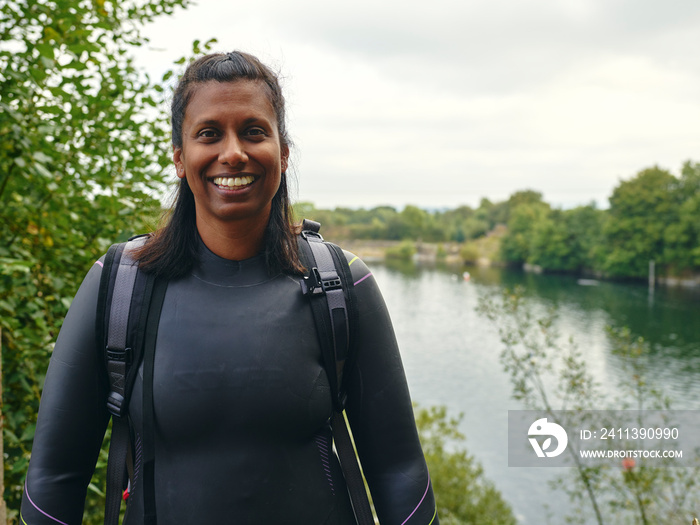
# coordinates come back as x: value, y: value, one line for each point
x: 234, y: 240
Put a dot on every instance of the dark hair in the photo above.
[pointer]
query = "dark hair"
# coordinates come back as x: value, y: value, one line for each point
x: 172, y: 250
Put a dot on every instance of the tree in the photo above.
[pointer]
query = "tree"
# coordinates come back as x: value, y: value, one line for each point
x: 640, y: 210
x: 493, y: 213
x: 83, y: 147
x: 517, y: 243
x: 549, y: 372
x: 552, y: 245
x: 566, y: 240
x: 586, y: 224
x: 409, y: 224
x: 462, y: 493
x: 452, y: 222
x: 682, y: 238
x: 520, y: 198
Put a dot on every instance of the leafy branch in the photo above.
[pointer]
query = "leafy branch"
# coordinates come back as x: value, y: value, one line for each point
x: 548, y: 372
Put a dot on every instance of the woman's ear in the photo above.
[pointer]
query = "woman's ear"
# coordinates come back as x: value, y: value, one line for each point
x: 179, y: 164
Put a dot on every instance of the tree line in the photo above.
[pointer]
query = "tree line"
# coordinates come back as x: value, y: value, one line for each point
x: 655, y: 215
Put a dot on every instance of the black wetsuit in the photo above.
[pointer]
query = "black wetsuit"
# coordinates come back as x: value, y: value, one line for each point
x: 241, y: 409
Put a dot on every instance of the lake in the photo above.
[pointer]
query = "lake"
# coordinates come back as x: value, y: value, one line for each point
x: 451, y: 354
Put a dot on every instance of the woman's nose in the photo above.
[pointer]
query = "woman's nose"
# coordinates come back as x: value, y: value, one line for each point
x: 232, y: 152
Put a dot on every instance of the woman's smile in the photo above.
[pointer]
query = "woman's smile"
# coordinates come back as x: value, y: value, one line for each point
x: 229, y: 183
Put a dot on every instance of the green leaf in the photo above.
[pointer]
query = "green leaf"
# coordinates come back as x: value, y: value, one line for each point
x: 93, y: 488
x: 46, y: 51
x: 28, y: 433
x: 8, y: 266
x: 40, y: 156
x: 7, y: 307
x: 42, y: 171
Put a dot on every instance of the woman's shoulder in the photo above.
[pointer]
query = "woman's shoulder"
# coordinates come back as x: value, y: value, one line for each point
x: 359, y: 270
x: 92, y: 278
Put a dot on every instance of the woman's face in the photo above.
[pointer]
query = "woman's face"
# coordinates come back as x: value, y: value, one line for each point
x: 231, y: 152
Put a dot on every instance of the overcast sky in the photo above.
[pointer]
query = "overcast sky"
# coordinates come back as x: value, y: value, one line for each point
x: 442, y: 103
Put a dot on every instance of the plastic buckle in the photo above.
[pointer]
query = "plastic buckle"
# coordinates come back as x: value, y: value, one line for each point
x: 115, y: 404
x: 334, y: 283
x: 115, y: 400
x: 310, y: 233
x: 117, y: 354
x: 313, y: 284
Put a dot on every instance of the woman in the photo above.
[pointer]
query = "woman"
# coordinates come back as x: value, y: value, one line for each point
x: 241, y: 396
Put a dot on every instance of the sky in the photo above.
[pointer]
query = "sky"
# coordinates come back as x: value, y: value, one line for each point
x: 442, y: 103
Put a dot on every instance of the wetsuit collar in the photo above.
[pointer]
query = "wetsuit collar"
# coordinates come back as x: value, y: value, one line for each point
x: 223, y: 272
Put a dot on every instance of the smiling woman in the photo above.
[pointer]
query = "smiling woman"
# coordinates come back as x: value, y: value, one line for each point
x: 245, y: 118
x: 233, y: 406
x: 232, y: 158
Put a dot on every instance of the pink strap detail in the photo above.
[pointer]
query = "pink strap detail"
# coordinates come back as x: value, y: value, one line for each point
x: 419, y: 503
x: 26, y: 491
x: 365, y: 277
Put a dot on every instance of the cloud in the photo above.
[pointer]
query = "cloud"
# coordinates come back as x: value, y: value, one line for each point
x: 445, y: 102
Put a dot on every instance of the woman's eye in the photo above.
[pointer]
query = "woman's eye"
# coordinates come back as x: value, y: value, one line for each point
x: 256, y: 132
x: 207, y: 133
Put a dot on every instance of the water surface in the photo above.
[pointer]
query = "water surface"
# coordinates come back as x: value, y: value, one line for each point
x: 451, y: 354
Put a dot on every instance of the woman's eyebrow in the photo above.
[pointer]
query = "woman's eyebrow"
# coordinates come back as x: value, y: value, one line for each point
x: 207, y: 122
x: 215, y: 122
x: 254, y: 120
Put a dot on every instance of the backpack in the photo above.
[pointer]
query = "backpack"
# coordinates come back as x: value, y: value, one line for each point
x: 128, y: 312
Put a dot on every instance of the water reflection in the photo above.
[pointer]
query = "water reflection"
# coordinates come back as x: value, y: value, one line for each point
x: 666, y: 318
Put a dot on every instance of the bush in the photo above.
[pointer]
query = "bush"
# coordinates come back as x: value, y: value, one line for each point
x: 470, y: 252
x: 462, y: 493
x: 401, y: 252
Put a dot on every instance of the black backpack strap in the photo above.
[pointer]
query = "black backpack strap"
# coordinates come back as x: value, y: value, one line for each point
x: 156, y: 299
x: 351, y: 470
x: 117, y: 453
x: 330, y: 290
x: 118, y: 350
x: 326, y: 291
x: 119, y: 319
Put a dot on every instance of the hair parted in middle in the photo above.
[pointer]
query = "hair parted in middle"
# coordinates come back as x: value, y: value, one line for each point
x: 172, y: 250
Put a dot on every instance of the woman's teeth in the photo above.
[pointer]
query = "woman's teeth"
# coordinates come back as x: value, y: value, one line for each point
x: 233, y: 182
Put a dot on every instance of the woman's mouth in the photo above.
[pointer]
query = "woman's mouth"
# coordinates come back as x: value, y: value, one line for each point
x: 233, y: 182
